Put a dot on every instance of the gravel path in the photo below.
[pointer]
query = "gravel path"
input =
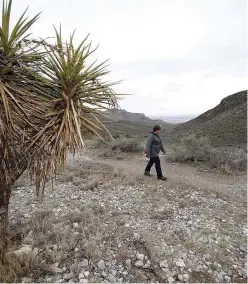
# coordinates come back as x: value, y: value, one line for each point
x: 105, y: 222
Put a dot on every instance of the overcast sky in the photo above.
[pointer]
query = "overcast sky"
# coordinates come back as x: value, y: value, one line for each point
x: 177, y: 57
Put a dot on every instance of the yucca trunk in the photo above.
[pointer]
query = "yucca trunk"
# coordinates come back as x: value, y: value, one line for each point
x: 5, y: 189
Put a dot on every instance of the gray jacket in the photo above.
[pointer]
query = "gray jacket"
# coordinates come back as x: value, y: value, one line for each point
x: 154, y: 145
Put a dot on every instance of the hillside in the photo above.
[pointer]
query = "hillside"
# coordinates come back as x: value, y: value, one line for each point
x: 224, y: 125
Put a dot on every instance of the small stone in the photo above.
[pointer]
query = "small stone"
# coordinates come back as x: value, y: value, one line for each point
x: 206, y: 256
x: 120, y: 280
x: 104, y: 274
x: 68, y: 276
x: 186, y: 277
x: 111, y: 278
x: 180, y: 263
x: 101, y: 265
x: 34, y: 253
x: 125, y: 273
x: 59, y: 281
x: 86, y: 274
x: 81, y: 275
x: 180, y: 277
x: 55, y: 269
x: 136, y: 236
x: 139, y: 263
x: 171, y: 280
x: 75, y: 225
x: 140, y: 256
x: 27, y: 280
x: 228, y: 279
x: 24, y: 250
x: 83, y: 281
x: 163, y: 264
x: 148, y: 263
x: 128, y: 262
x: 84, y: 263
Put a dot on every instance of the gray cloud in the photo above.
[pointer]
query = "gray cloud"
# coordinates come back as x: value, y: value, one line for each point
x: 176, y: 56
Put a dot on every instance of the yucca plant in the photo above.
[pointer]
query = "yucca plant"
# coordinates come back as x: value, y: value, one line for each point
x: 50, y: 99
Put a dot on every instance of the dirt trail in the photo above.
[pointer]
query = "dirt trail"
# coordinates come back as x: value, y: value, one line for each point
x: 226, y: 184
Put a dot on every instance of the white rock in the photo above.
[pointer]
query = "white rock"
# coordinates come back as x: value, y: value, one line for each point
x: 86, y: 274
x: 34, y: 253
x: 140, y: 256
x: 84, y: 263
x: 128, y: 262
x: 111, y: 278
x: 136, y: 235
x: 125, y: 273
x: 27, y: 280
x: 68, y: 276
x: 139, y: 263
x: 163, y: 264
x: 186, y: 276
x: 101, y: 265
x: 180, y: 277
x: 55, y: 269
x: 148, y: 263
x: 228, y: 279
x: 171, y: 280
x: 120, y: 280
x: 75, y: 225
x: 83, y: 281
x: 24, y: 250
x: 104, y: 274
x: 81, y: 275
x: 180, y: 263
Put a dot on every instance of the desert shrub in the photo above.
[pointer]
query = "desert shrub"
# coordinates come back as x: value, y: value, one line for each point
x: 118, y: 147
x: 199, y: 150
x: 228, y: 160
x: 126, y: 145
x: 190, y: 149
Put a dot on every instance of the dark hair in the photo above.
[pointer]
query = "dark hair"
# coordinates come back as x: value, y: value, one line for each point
x: 156, y: 127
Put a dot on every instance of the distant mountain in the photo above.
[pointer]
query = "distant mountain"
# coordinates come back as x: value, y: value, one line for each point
x: 133, y: 124
x: 224, y: 125
x: 123, y: 115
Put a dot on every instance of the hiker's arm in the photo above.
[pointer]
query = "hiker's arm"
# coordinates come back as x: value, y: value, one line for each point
x: 162, y: 147
x: 149, y: 146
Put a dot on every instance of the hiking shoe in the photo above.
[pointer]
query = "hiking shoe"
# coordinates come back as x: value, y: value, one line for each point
x: 162, y: 178
x: 147, y: 174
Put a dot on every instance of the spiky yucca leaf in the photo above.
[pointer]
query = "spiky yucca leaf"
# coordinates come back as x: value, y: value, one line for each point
x: 76, y: 97
x: 49, y: 101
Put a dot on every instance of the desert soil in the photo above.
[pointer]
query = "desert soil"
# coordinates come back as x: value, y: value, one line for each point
x: 103, y: 221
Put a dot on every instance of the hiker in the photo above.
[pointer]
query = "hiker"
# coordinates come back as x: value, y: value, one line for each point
x: 153, y: 147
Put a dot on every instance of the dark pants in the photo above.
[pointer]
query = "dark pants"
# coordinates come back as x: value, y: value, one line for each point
x: 155, y: 160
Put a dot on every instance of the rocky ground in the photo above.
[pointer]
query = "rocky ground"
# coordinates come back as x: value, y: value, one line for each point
x: 104, y: 222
